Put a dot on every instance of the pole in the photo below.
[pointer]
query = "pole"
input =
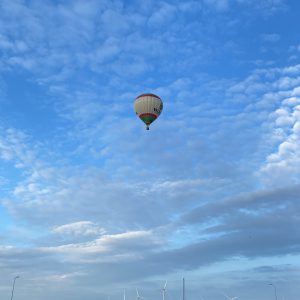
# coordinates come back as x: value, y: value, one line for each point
x: 183, y: 289
x: 164, y: 290
x: 274, y: 290
x: 13, y: 287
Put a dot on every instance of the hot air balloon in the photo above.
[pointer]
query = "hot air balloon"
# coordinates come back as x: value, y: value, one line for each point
x: 148, y: 107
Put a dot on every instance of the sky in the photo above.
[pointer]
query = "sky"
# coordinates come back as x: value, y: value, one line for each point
x: 91, y: 203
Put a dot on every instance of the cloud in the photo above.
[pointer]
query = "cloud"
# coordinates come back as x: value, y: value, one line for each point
x: 282, y: 166
x: 14, y: 147
x: 100, y: 199
x: 109, y: 248
x: 78, y: 31
x: 270, y: 37
x: 79, y: 228
x: 248, y: 204
x: 266, y: 7
x: 212, y: 156
x: 165, y: 14
x: 220, y: 5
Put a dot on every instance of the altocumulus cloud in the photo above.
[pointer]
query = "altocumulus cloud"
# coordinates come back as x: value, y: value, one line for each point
x: 95, y: 203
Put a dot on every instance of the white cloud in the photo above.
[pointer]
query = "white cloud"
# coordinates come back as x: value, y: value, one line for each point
x: 98, y: 200
x: 14, y: 147
x: 85, y: 228
x: 283, y: 165
x: 164, y: 14
x: 292, y: 101
x: 50, y: 48
x: 123, y: 246
x: 283, y: 117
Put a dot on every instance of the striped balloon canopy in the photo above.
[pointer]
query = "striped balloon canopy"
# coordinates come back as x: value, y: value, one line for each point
x: 148, y: 107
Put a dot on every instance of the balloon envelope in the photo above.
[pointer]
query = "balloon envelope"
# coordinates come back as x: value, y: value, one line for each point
x: 148, y: 107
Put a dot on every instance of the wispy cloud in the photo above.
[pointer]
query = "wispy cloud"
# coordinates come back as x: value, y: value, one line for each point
x: 79, y: 228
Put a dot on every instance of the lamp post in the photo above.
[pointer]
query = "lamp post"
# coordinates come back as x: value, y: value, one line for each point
x: 274, y: 290
x: 13, y: 288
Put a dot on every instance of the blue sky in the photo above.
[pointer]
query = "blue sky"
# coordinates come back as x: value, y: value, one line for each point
x: 91, y: 203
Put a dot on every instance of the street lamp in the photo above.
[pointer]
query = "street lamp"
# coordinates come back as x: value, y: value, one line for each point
x: 274, y: 290
x: 13, y: 288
